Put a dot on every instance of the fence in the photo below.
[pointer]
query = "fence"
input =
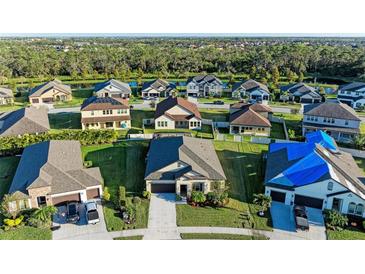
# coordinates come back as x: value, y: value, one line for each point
x: 140, y: 136
x: 260, y: 140
x: 280, y: 121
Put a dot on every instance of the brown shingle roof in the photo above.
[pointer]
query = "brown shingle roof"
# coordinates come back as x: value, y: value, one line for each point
x: 170, y: 102
x: 104, y: 103
x: 248, y: 116
x: 256, y: 107
x: 331, y: 109
x: 56, y: 84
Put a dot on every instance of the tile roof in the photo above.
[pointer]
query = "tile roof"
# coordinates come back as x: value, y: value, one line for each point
x: 104, y: 103
x: 170, y: 102
x: 121, y: 86
x: 24, y: 121
x: 248, y: 116
x: 56, y: 84
x: 331, y: 109
x: 198, y: 154
x: 57, y: 164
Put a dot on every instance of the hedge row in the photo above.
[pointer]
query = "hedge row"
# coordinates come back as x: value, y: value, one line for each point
x: 86, y: 137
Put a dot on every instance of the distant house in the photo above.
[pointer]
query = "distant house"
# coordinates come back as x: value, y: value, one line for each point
x: 52, y: 173
x: 6, y: 96
x: 113, y: 88
x: 315, y: 174
x: 49, y: 93
x: 300, y: 93
x: 176, y: 112
x: 252, y: 90
x: 105, y: 113
x: 24, y: 121
x: 337, y: 119
x: 182, y: 165
x: 204, y: 86
x: 352, y: 94
x: 158, y: 88
x: 250, y: 119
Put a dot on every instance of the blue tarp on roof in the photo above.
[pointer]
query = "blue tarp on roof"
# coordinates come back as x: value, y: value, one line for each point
x: 310, y: 165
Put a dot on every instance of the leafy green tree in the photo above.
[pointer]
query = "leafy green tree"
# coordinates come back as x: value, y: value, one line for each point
x: 263, y: 201
x: 44, y: 214
x: 275, y: 75
x: 6, y: 206
x: 106, y: 194
x: 301, y: 77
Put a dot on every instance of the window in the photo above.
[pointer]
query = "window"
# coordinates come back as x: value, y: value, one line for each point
x: 351, y: 209
x: 41, y: 200
x: 359, y: 209
x: 165, y: 124
x: 198, y: 186
x: 346, y: 122
x: 12, y: 206
x: 158, y: 123
x: 21, y: 204
x: 330, y: 186
x: 92, y: 113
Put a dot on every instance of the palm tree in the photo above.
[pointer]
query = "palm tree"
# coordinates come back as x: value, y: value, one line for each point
x: 44, y: 214
x: 263, y: 201
x: 359, y: 141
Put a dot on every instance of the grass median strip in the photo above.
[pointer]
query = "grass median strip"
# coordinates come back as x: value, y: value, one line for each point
x: 138, y: 237
x: 219, y: 236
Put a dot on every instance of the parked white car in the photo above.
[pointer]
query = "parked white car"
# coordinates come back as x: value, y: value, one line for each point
x: 92, y: 214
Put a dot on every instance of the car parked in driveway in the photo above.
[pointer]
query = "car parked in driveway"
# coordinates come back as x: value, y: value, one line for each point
x: 72, y: 213
x: 92, y: 215
x: 218, y: 102
x: 301, y: 217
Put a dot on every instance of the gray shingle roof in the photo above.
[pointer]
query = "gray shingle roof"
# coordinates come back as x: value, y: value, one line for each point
x: 352, y: 86
x: 198, y: 154
x: 103, y: 103
x: 57, y: 164
x: 202, y: 79
x: 159, y: 85
x: 56, y: 84
x: 250, y: 85
x: 6, y: 93
x: 23, y: 121
x: 331, y: 109
x: 121, y: 86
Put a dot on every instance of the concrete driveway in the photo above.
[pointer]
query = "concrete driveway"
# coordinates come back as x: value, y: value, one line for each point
x: 162, y: 218
x: 81, y: 230
x: 283, y: 221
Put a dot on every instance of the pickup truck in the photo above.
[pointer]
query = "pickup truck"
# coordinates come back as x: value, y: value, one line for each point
x: 301, y: 218
x: 92, y: 214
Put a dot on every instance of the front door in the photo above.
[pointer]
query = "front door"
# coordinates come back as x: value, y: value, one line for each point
x: 337, y: 204
x: 183, y: 190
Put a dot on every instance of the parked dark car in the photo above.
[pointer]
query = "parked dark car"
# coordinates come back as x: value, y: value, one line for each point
x: 301, y: 217
x: 218, y: 102
x: 73, y: 215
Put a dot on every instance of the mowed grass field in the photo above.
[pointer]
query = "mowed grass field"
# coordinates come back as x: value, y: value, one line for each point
x: 8, y: 166
x: 66, y: 120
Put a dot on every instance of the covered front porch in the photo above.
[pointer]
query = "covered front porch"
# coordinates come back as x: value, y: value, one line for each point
x: 249, y: 130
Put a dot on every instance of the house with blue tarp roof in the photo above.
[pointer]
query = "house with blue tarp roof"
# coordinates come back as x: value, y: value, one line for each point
x: 315, y: 173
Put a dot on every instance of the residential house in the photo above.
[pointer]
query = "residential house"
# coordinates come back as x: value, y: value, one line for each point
x: 52, y: 173
x: 204, y: 86
x: 113, y: 88
x: 300, y: 93
x: 49, y: 93
x: 337, y: 119
x: 251, y: 90
x: 315, y: 174
x: 250, y: 119
x: 183, y: 164
x: 105, y: 113
x: 158, y: 88
x: 6, y: 96
x: 176, y: 112
x: 24, y: 121
x: 352, y: 94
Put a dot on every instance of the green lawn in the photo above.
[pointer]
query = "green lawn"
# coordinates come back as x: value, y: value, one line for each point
x: 27, y: 233
x: 243, y: 166
x: 361, y: 163
x: 78, y: 97
x: 218, y: 236
x: 282, y: 104
x: 137, y: 115
x: 114, y: 221
x: 121, y: 164
x: 345, y: 234
x: 277, y: 131
x: 138, y: 237
x: 292, y: 121
x: 224, y: 99
x: 217, y: 115
x: 8, y: 166
x: 65, y: 120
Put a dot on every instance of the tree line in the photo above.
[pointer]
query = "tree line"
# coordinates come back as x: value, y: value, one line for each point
x: 19, y: 58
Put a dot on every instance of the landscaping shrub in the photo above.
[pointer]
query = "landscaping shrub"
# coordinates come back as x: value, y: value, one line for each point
x: 122, y: 196
x: 136, y: 200
x: 363, y: 224
x: 335, y: 220
x: 178, y: 198
x: 88, y: 164
x: 14, y: 222
x: 263, y: 201
x: 106, y: 194
x: 14, y: 144
x: 146, y: 194
x: 198, y: 197
x: 217, y: 198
